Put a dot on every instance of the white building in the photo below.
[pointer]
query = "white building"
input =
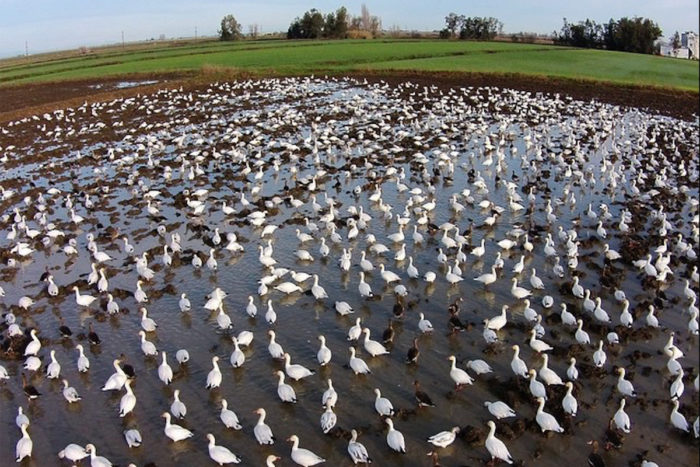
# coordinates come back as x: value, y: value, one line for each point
x: 687, y: 50
x: 689, y: 40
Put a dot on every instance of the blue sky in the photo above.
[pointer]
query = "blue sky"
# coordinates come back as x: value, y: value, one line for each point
x: 62, y: 24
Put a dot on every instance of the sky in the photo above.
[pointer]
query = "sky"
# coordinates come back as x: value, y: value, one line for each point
x: 48, y: 25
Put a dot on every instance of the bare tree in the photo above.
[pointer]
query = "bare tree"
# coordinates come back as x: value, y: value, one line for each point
x: 254, y: 30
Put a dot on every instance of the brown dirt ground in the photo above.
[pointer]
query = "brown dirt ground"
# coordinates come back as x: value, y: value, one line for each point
x: 23, y: 100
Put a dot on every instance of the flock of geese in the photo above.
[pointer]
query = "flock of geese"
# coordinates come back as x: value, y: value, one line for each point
x: 532, y: 248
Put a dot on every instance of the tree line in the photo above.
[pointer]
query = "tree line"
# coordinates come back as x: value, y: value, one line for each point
x: 468, y: 27
x: 626, y: 35
x: 339, y: 25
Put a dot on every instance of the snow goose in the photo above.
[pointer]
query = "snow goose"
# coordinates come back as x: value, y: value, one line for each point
x: 567, y: 317
x: 132, y: 437
x: 237, y: 356
x: 147, y: 347
x: 73, y: 452
x: 343, y: 308
x: 285, y: 391
x: 374, y: 348
x: 517, y: 364
x: 444, y: 438
x: 545, y: 420
x: 175, y: 432
x: 569, y: 403
x: 95, y: 460
x: 547, y: 374
x: 318, y: 291
x: 581, y: 336
x: 624, y: 386
x: 423, y: 324
x: 621, y: 419
x: 537, y: 389
x: 273, y: 347
x: 270, y: 314
x: 70, y: 393
x: 116, y: 380
x: 382, y: 405
x: 394, y: 438
x: 496, y: 447
x: 302, y: 456
x: 572, y: 371
x: 538, y: 345
x: 357, y: 451
x: 178, y: 408
x: 328, y: 419
x: 599, y: 356
x: 53, y: 369
x: 487, y: 278
x: 324, y: 353
x: 499, y: 321
x: 677, y: 418
x: 357, y: 365
x: 147, y: 324
x: 499, y: 409
x: 128, y: 400
x: 330, y: 396
x: 480, y: 367
x: 295, y: 371
x: 83, y: 300
x: 459, y: 376
x: 220, y: 454
x: 517, y: 291
x: 228, y: 417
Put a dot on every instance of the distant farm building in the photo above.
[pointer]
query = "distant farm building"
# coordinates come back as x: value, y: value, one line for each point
x: 688, y: 48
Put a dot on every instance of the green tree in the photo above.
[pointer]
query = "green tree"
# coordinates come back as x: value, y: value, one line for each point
x: 230, y: 29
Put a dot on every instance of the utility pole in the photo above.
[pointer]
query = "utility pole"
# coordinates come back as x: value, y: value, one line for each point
x: 26, y: 49
x: 195, y: 33
x: 122, y: 39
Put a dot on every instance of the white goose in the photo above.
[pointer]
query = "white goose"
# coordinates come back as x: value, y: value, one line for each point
x: 394, y: 438
x: 214, y: 376
x: 358, y: 452
x: 545, y: 420
x: 624, y: 386
x: 444, y: 438
x: 178, y: 408
x: 83, y: 300
x: 324, y: 353
x: 263, y: 433
x: 228, y: 417
x: 285, y: 391
x: 382, y: 405
x: 116, y: 381
x: 328, y: 419
x: 295, y: 371
x: 517, y: 364
x: 358, y: 365
x: 128, y: 400
x: 24, y: 445
x: 459, y: 376
x: 547, y: 374
x: 302, y: 456
x: 220, y: 454
x: 165, y: 372
x: 621, y: 419
x: 175, y: 432
x: 275, y: 349
x: 374, y: 348
x: 569, y: 403
x: 499, y: 409
x: 496, y: 447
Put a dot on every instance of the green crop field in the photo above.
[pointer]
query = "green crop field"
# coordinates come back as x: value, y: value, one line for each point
x: 281, y: 57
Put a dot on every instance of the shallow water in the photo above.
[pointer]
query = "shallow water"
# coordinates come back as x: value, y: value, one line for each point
x: 354, y: 132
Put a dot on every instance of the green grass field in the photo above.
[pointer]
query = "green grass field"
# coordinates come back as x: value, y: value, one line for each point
x: 283, y: 57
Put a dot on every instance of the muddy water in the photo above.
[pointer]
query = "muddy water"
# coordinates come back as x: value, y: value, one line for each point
x: 118, y: 151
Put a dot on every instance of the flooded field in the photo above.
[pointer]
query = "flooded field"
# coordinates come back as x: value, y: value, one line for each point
x: 229, y: 193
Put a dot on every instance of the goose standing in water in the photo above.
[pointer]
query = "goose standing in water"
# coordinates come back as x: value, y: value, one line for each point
x: 175, y: 432
x: 546, y: 421
x: 95, y: 460
x: 394, y: 438
x: 302, y: 456
x: 499, y: 409
x: 263, y: 433
x: 358, y: 452
x: 495, y: 446
x: 220, y: 454
x: 178, y: 408
x: 24, y: 445
x: 228, y: 417
x: 285, y: 391
x: 295, y: 371
x: 214, y: 376
x: 459, y: 376
x: 444, y: 438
